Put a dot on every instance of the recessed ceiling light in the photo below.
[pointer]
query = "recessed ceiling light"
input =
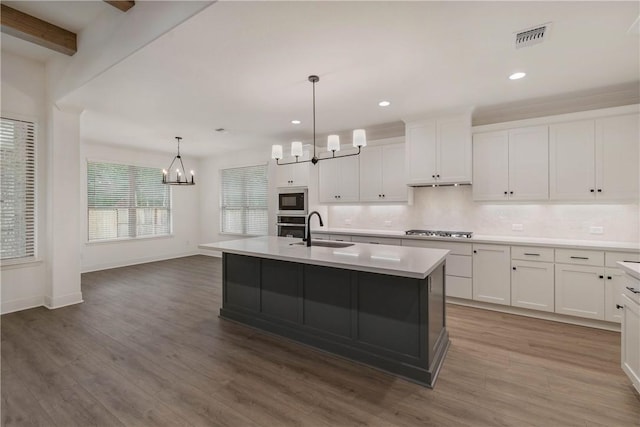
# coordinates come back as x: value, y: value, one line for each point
x: 295, y: 122
x: 516, y: 76
x: 384, y: 103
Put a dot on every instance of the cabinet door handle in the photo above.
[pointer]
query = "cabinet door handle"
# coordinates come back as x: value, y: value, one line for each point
x: 608, y: 277
x: 600, y: 276
x: 513, y: 268
x: 592, y: 190
x: 384, y: 195
x: 531, y: 254
x: 635, y: 291
x: 599, y: 190
x: 618, y: 306
x: 475, y: 252
x: 579, y: 257
x: 510, y: 192
x: 505, y: 193
x: 437, y: 175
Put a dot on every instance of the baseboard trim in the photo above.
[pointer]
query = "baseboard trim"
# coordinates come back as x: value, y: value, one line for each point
x: 215, y: 254
x: 20, y: 304
x: 63, y: 301
x: 110, y: 265
x: 590, y: 323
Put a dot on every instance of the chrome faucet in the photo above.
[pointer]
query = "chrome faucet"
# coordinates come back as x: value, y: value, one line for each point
x: 309, y: 226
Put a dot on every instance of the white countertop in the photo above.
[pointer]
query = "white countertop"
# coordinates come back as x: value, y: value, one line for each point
x: 508, y: 240
x: 631, y: 268
x: 402, y: 261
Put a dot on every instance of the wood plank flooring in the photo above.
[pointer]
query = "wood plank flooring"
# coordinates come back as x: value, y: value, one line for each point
x: 147, y: 348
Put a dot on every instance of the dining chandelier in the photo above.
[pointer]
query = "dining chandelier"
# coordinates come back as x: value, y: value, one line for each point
x: 333, y: 141
x: 179, y: 177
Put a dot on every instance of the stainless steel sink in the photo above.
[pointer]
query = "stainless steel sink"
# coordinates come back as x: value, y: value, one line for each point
x: 325, y: 243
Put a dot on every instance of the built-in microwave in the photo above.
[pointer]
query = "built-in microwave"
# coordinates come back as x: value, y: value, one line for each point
x: 292, y: 201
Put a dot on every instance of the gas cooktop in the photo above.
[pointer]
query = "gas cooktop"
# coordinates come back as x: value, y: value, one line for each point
x: 440, y: 233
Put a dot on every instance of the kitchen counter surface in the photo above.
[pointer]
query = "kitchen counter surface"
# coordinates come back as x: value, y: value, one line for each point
x: 402, y: 261
x: 632, y: 268
x: 508, y: 240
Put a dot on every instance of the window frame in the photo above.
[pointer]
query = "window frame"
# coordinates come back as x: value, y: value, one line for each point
x: 34, y: 259
x: 85, y: 194
x: 221, y: 196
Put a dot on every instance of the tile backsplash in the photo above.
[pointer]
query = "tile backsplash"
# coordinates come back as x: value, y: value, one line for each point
x: 452, y: 208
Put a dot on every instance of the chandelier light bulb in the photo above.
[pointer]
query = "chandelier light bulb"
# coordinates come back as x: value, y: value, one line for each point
x: 296, y: 149
x: 276, y: 152
x: 359, y: 138
x: 333, y: 143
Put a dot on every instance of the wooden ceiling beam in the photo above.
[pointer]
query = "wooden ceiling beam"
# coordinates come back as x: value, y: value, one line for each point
x: 122, y: 5
x: 34, y: 30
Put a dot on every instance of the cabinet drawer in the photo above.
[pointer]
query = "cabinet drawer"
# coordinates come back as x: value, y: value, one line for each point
x: 377, y: 240
x: 612, y: 258
x: 459, y: 287
x: 577, y: 256
x: 454, y: 248
x: 530, y: 253
x: 458, y: 265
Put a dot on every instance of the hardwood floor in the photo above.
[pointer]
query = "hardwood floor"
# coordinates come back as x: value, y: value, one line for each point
x: 147, y: 348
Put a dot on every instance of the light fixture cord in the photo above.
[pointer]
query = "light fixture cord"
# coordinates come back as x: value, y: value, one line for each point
x: 314, y: 119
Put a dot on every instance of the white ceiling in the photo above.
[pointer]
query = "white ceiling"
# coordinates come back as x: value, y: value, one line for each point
x: 243, y: 66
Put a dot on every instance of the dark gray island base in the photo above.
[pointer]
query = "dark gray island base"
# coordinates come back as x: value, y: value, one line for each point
x: 389, y: 322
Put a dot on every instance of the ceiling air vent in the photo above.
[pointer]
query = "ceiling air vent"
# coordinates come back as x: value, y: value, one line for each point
x: 532, y: 36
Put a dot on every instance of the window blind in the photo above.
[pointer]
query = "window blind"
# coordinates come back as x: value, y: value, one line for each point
x: 244, y: 200
x: 17, y: 188
x: 126, y: 201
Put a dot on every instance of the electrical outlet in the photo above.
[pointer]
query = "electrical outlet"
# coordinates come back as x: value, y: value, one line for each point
x: 387, y: 223
x: 596, y: 230
x: 347, y: 221
x: 517, y: 227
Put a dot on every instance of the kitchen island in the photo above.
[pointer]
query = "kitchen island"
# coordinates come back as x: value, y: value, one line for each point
x: 375, y: 304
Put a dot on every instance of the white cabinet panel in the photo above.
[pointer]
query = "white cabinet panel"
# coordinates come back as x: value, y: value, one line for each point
x: 612, y: 258
x: 491, y: 274
x: 529, y: 163
x: 580, y: 291
x: 339, y: 180
x: 421, y: 152
x: 532, y: 253
x: 381, y: 176
x: 438, y: 151
x: 532, y: 285
x: 292, y: 175
x: 613, y: 289
x: 617, y: 157
x: 458, y: 287
x: 491, y: 166
x: 453, y: 150
x: 572, y: 160
x: 630, y: 335
x: 511, y: 165
x: 579, y: 256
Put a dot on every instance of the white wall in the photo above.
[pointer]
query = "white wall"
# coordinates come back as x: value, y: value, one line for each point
x: 24, y: 96
x: 452, y: 208
x: 185, y: 213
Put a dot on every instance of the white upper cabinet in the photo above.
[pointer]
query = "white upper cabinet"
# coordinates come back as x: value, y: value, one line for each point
x: 491, y: 166
x: 617, y: 157
x: 511, y: 164
x: 595, y: 159
x: 572, y: 160
x: 438, y: 151
x: 339, y: 180
x: 292, y: 175
x: 381, y: 176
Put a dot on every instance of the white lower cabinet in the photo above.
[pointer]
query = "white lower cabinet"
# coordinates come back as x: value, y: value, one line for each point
x: 458, y: 268
x: 491, y: 278
x: 614, y: 287
x: 580, y: 291
x: 630, y: 332
x: 532, y: 285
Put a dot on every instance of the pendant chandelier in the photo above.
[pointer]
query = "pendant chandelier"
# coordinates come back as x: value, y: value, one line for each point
x: 333, y: 141
x: 179, y: 177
